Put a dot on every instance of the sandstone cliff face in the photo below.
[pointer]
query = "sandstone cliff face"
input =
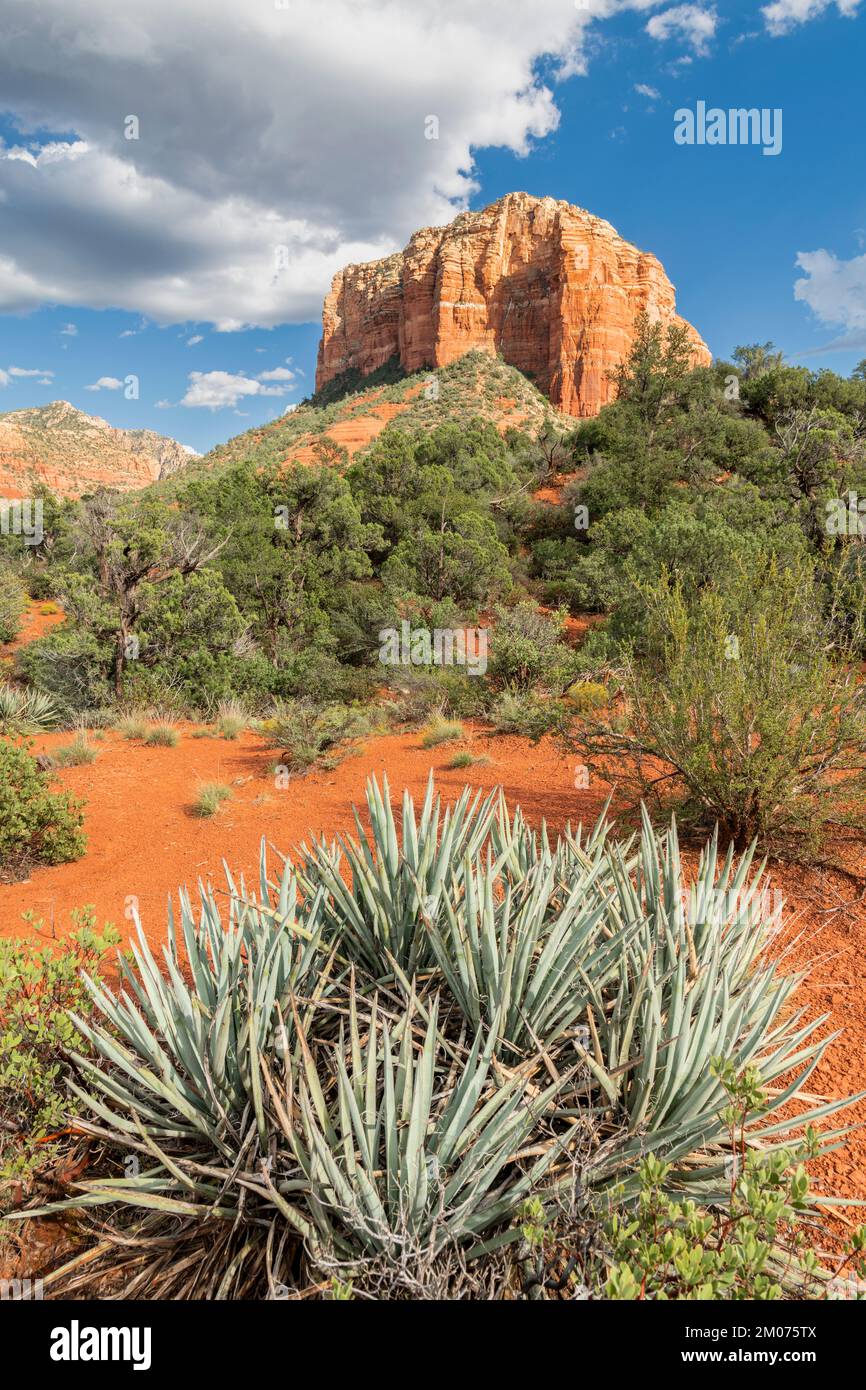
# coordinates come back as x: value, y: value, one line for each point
x: 71, y: 453
x: 553, y: 289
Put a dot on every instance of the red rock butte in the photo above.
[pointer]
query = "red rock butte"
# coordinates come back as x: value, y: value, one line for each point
x: 554, y: 290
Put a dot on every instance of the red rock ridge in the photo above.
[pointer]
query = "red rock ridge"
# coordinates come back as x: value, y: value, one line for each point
x: 71, y: 453
x: 553, y: 289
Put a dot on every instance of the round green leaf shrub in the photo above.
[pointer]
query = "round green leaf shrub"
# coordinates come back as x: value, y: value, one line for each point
x: 37, y: 826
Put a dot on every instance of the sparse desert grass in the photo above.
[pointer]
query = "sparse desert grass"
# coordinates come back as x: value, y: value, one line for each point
x: 440, y: 730
x: 463, y: 758
x: 231, y: 719
x: 202, y: 733
x: 210, y: 797
x: 132, y: 727
x: 162, y: 736
x: 77, y: 753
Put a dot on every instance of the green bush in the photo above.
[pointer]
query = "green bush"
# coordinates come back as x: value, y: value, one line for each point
x: 37, y: 826
x: 523, y: 714
x: 749, y: 698
x: 527, y: 649
x: 13, y: 601
x: 72, y: 665
x: 304, y: 731
x: 38, y: 989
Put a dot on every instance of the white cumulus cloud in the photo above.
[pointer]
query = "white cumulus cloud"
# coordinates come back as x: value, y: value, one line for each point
x: 835, y: 291
x: 274, y: 149
x: 216, y: 390
x: 782, y: 16
x: 691, y: 24
x: 105, y: 383
x: 277, y: 374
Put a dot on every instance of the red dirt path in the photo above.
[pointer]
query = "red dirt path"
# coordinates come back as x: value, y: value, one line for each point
x: 144, y: 841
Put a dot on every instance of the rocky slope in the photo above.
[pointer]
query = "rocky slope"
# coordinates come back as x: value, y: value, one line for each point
x: 73, y: 453
x: 551, y: 288
x: 476, y: 386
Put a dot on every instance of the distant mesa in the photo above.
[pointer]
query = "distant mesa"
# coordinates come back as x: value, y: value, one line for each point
x: 552, y: 289
x: 72, y: 453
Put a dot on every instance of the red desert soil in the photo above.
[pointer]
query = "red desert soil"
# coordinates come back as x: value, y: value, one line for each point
x: 34, y: 623
x: 144, y: 841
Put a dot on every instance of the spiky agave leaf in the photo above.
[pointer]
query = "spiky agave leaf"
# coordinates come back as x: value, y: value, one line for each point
x: 24, y: 711
x: 414, y: 1149
x: 396, y: 882
x: 517, y: 955
x: 183, y: 1054
x: 694, y: 982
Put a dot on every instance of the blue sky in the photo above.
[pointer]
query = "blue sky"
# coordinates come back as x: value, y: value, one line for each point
x: 150, y: 257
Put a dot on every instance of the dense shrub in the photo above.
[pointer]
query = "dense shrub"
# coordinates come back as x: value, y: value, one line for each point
x: 527, y: 649
x: 37, y: 826
x: 72, y: 665
x: 742, y: 710
x: 306, y: 732
x: 12, y: 604
x: 38, y: 989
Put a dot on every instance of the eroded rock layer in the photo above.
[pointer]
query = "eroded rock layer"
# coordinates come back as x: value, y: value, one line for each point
x: 553, y: 289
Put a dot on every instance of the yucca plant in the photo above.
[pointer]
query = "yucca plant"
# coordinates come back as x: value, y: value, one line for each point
x: 183, y: 1058
x: 300, y: 1071
x: 24, y: 711
x: 420, y: 1143
x: 518, y: 957
x: 380, y: 920
x: 694, y: 982
x: 178, y: 1084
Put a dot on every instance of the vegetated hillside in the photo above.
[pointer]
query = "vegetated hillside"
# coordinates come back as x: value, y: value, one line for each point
x: 352, y: 411
x: 70, y: 452
x: 701, y: 532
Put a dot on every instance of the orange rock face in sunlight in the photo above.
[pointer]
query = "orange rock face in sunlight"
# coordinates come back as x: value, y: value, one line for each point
x: 551, y: 288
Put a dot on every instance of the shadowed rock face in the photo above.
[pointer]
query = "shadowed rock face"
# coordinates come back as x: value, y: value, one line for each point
x: 553, y: 289
x: 71, y: 453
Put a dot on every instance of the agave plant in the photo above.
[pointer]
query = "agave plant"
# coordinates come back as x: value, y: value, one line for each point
x: 24, y: 711
x: 694, y: 982
x: 519, y: 956
x: 397, y: 883
x: 419, y: 1144
x: 183, y: 1058
x: 301, y: 1070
